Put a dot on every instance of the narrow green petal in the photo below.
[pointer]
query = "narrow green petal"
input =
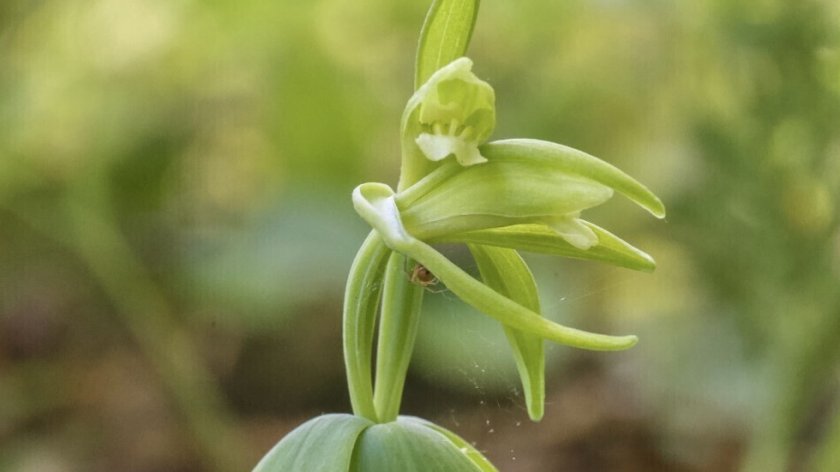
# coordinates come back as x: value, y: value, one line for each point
x: 504, y: 271
x: 542, y: 239
x: 398, y: 324
x: 445, y: 36
x: 361, y: 299
x: 322, y: 444
x: 574, y: 162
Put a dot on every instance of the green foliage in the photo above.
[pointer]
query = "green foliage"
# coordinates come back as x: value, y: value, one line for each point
x: 411, y: 445
x: 323, y: 444
x: 772, y: 161
x: 348, y: 443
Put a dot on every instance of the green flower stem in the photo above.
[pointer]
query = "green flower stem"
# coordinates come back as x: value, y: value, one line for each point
x: 361, y: 300
x: 401, y: 301
x: 375, y: 204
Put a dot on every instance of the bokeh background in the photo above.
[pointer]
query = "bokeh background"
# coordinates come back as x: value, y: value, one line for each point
x: 176, y: 228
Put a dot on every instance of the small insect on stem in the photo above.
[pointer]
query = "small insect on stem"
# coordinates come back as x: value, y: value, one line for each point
x: 423, y: 277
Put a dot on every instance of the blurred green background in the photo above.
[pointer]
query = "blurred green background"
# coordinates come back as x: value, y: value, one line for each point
x: 176, y: 228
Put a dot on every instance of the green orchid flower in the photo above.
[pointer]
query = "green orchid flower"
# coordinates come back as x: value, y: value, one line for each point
x: 497, y: 198
x: 519, y: 194
x: 376, y: 204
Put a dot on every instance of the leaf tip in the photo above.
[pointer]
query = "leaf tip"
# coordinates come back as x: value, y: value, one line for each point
x: 646, y: 262
x: 536, y: 414
x: 628, y: 341
x: 657, y: 208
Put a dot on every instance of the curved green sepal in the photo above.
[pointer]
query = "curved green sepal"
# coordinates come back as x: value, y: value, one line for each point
x: 322, y: 444
x: 542, y: 239
x: 504, y: 271
x: 401, y: 301
x: 375, y: 204
x: 361, y: 300
x: 445, y: 36
x: 407, y: 445
x: 574, y: 162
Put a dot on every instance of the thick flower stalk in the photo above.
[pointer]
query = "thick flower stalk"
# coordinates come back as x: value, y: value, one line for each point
x: 455, y: 187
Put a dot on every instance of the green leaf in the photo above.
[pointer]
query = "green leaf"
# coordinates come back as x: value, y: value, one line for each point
x: 408, y: 446
x: 445, y: 36
x: 504, y: 271
x: 574, y: 162
x: 322, y: 444
x: 361, y: 299
x: 344, y: 443
x: 398, y: 324
x: 477, y: 458
x: 542, y: 239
